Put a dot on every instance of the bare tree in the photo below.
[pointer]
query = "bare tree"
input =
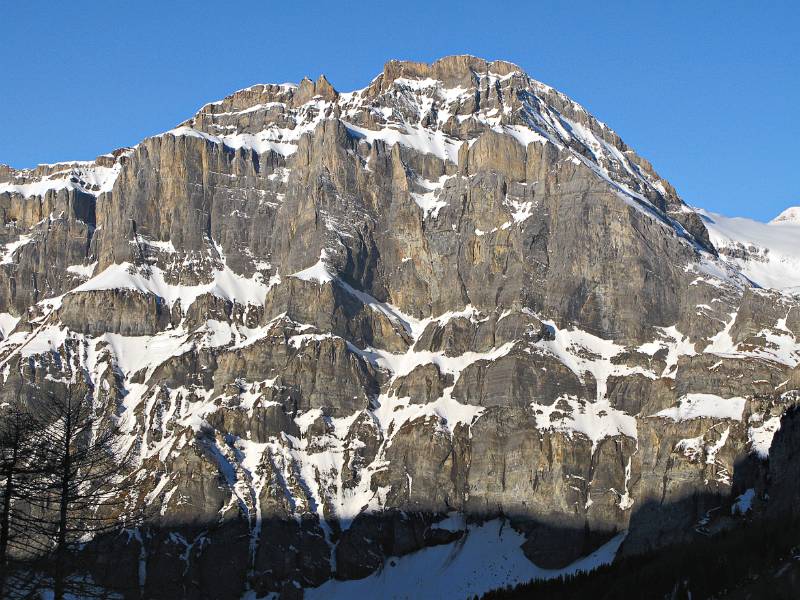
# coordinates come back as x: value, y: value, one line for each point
x: 80, y: 491
x: 16, y: 469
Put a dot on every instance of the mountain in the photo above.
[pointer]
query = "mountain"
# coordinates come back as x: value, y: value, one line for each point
x: 767, y: 253
x: 447, y: 332
x: 790, y: 216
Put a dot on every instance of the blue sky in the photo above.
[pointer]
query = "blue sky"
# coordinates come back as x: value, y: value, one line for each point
x: 708, y: 91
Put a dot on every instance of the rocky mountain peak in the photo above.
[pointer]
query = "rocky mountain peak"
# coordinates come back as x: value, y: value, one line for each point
x: 790, y: 215
x: 436, y: 108
x: 452, y: 71
x: 321, y: 88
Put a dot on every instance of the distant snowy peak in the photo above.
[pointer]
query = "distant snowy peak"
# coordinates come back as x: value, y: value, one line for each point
x: 767, y: 253
x: 790, y: 216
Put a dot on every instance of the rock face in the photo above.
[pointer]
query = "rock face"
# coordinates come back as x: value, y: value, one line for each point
x: 324, y: 322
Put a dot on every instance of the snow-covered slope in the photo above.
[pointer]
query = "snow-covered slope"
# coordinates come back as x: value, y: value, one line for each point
x: 791, y: 216
x: 767, y: 253
x: 487, y: 557
x: 91, y: 177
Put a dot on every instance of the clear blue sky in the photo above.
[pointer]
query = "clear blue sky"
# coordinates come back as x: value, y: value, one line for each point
x: 708, y: 91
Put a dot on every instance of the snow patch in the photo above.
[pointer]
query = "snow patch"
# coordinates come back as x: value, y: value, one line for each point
x: 319, y: 271
x: 421, y: 139
x: 7, y: 257
x: 224, y: 284
x: 7, y: 324
x: 698, y: 406
x: 84, y: 271
x: 760, y: 438
x: 489, y: 556
x: 596, y: 420
x: 744, y: 502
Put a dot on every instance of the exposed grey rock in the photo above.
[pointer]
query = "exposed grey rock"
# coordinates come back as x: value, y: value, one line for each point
x: 423, y: 384
x: 518, y: 379
x: 126, y: 312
